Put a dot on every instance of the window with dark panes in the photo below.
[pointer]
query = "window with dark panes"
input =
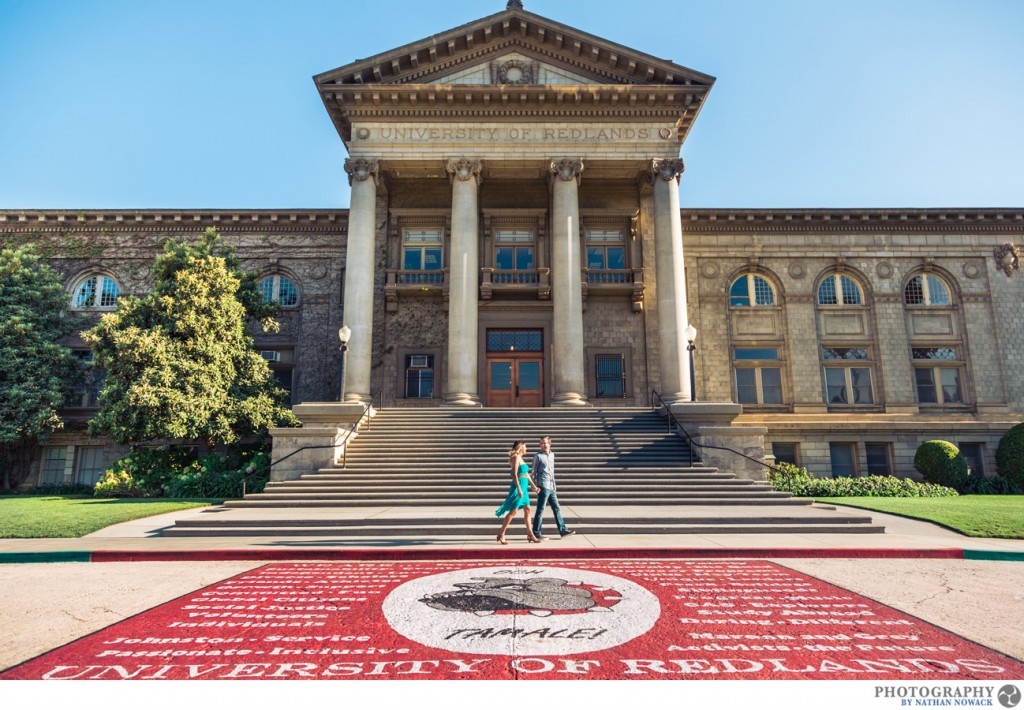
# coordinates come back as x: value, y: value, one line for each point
x: 758, y: 375
x: 785, y: 453
x: 513, y: 257
x: 847, y: 376
x: 610, y: 371
x: 937, y: 375
x: 844, y: 463
x: 419, y: 376
x: 878, y: 459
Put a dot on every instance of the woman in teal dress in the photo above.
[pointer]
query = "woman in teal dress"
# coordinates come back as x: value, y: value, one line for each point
x: 518, y: 493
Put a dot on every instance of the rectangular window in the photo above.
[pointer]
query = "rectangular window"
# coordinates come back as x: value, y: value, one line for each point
x: 611, y: 380
x: 422, y: 251
x: 759, y: 385
x: 88, y: 391
x: 845, y: 384
x: 974, y: 453
x: 283, y: 376
x: 843, y: 460
x: 54, y: 462
x: 501, y: 341
x: 758, y: 376
x: 878, y: 459
x: 606, y: 251
x: 419, y: 376
x: 513, y: 257
x: 785, y: 453
x: 937, y: 375
x: 90, y: 464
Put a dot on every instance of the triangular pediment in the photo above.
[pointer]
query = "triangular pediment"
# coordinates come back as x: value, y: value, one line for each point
x: 560, y: 54
x: 513, y: 65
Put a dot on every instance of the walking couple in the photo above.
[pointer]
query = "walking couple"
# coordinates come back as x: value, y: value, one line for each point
x: 519, y: 493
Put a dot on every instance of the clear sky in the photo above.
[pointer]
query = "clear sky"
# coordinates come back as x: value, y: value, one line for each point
x: 210, y: 103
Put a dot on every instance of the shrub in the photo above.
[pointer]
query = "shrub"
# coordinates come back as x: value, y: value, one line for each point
x: 174, y: 473
x: 1010, y: 455
x: 59, y: 489
x: 800, y: 482
x: 220, y: 476
x: 987, y: 486
x: 940, y: 462
x: 144, y: 473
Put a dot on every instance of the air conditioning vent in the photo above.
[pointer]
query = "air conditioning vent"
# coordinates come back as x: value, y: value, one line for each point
x: 270, y: 355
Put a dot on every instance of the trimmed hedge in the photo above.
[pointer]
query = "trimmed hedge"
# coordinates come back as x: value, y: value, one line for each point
x: 1010, y: 455
x: 940, y: 462
x: 800, y: 482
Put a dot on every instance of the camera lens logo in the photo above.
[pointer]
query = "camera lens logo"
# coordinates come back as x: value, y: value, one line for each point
x: 1009, y: 696
x: 540, y: 611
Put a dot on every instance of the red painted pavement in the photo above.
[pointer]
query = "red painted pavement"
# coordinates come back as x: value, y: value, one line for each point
x: 619, y: 619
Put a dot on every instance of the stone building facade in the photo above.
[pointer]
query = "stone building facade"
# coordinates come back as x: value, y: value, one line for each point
x: 515, y: 240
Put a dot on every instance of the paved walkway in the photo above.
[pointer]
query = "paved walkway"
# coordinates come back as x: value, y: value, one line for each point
x: 902, y: 534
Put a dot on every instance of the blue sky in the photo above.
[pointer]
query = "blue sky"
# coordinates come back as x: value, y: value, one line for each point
x: 210, y: 103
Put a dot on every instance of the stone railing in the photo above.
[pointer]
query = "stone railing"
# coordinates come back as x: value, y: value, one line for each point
x: 538, y: 280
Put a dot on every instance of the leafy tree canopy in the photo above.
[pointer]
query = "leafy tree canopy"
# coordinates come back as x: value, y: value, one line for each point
x: 179, y: 361
x: 37, y: 372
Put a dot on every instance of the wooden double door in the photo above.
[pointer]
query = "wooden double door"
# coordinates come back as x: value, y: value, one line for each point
x: 515, y: 380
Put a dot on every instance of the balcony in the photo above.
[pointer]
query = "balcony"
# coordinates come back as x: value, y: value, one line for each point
x: 522, y: 283
x: 610, y: 282
x: 413, y: 283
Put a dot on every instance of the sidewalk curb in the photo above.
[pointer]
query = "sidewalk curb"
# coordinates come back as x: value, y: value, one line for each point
x: 370, y: 555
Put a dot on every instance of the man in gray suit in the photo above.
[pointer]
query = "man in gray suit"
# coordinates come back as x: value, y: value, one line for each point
x: 544, y: 477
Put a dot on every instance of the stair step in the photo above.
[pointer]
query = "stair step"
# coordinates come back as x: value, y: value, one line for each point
x: 461, y: 532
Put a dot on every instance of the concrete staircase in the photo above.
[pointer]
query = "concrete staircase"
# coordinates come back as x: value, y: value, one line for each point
x: 442, y: 472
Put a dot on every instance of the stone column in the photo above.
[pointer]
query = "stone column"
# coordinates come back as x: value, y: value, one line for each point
x: 570, y: 384
x: 464, y: 270
x: 671, y: 281
x: 363, y: 176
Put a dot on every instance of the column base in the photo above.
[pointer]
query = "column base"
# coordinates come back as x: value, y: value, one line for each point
x: 461, y: 399
x: 569, y: 399
x: 674, y: 398
x: 357, y: 398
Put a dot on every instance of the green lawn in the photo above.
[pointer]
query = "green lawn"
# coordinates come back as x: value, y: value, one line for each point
x: 70, y: 516
x: 976, y: 516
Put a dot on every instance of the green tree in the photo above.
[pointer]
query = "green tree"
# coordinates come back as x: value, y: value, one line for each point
x: 179, y: 361
x: 37, y: 372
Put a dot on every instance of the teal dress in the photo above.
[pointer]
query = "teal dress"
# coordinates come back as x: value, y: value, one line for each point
x: 514, y: 501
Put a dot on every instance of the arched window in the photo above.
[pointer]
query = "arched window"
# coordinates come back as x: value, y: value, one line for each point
x: 751, y: 290
x: 96, y: 292
x: 279, y: 289
x: 926, y: 290
x: 839, y: 290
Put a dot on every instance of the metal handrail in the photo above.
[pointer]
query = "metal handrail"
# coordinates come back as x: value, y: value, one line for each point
x: 672, y: 419
x: 379, y: 397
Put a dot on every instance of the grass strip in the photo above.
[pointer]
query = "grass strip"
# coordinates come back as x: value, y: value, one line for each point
x: 74, y: 516
x: 975, y: 516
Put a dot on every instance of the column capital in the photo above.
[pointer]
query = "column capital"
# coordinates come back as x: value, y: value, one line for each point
x: 464, y: 169
x: 361, y: 169
x: 567, y: 169
x: 667, y: 170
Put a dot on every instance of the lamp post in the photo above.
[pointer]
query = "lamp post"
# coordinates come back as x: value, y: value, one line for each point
x: 344, y: 333
x: 691, y: 335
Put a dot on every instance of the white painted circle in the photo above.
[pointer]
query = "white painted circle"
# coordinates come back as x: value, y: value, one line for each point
x: 529, y: 610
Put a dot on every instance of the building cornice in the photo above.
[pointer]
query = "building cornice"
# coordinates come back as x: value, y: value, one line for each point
x: 173, y: 221
x: 783, y: 221
x: 695, y: 221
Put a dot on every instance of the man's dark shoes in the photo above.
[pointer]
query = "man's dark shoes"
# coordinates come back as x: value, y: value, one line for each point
x: 567, y: 533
